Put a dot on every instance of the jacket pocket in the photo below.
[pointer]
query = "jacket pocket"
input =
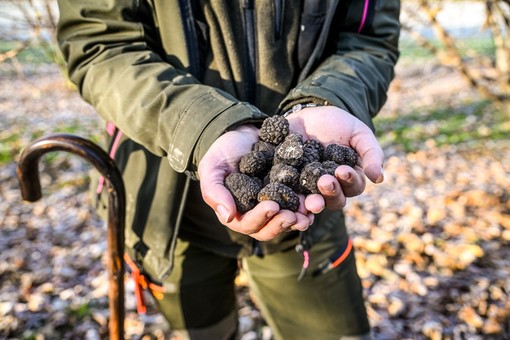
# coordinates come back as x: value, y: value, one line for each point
x: 153, y: 193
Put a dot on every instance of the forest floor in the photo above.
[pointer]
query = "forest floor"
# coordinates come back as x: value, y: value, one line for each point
x: 432, y: 241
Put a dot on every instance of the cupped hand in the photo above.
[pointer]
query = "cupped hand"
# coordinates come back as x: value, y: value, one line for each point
x: 330, y: 124
x: 266, y: 220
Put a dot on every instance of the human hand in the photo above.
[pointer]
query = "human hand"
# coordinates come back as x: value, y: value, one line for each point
x: 330, y: 124
x: 265, y: 221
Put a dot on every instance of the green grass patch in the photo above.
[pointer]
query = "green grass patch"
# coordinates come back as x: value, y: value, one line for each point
x: 21, y: 132
x: 13, y: 140
x: 468, y: 125
x: 81, y: 311
x: 35, y: 53
x: 479, y: 46
x: 411, y: 52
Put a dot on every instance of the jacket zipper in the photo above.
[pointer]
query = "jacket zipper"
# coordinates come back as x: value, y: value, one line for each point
x: 278, y: 16
x: 321, y: 40
x: 190, y: 34
x: 249, y: 27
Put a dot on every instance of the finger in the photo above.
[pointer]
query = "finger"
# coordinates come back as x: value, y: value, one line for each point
x: 371, y: 153
x: 315, y: 203
x: 302, y: 206
x: 302, y: 223
x: 257, y: 218
x: 280, y: 223
x: 218, y: 197
x: 352, y: 180
x: 311, y: 218
x: 332, y: 192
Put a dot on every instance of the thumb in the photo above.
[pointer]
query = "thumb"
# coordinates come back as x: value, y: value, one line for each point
x: 214, y: 192
x: 220, y: 200
x: 371, y: 153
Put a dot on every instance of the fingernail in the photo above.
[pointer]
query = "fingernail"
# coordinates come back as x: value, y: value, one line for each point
x: 311, y: 218
x: 380, y: 179
x: 285, y: 226
x: 301, y: 228
x: 345, y: 176
x: 223, y: 212
x: 330, y: 188
x: 271, y: 213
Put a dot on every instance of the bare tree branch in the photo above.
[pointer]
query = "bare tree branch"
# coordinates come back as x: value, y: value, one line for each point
x: 15, y: 51
x: 452, y: 57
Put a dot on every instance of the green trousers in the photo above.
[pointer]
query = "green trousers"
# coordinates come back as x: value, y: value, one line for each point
x: 326, y: 306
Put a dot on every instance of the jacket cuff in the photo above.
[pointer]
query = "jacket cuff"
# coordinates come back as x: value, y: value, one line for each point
x: 220, y: 113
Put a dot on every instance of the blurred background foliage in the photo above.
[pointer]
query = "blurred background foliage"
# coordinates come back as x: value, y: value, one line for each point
x: 475, y: 44
x: 481, y: 55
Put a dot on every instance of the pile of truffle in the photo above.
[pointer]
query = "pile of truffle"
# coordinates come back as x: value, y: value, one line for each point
x: 282, y: 165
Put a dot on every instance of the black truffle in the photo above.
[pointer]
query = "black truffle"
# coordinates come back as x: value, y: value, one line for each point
x: 253, y: 163
x: 309, y: 176
x: 281, y: 194
x: 281, y: 165
x: 267, y: 148
x: 330, y: 167
x: 290, y: 151
x: 312, y: 151
x: 259, y: 181
x: 244, y: 189
x: 340, y: 154
x: 285, y: 174
x: 274, y: 129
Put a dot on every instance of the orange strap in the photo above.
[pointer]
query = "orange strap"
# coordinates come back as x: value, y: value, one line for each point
x: 157, y: 291
x: 142, y: 283
x: 344, y: 254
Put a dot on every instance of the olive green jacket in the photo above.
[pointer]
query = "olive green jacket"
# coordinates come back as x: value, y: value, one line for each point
x: 173, y: 75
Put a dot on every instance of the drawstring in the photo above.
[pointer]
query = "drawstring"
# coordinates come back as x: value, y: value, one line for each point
x: 177, y: 227
x: 306, y: 262
x: 302, y: 248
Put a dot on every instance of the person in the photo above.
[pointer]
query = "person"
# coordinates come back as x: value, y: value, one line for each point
x: 183, y: 87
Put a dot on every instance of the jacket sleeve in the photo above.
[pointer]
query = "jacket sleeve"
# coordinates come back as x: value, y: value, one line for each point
x: 356, y: 76
x: 111, y: 48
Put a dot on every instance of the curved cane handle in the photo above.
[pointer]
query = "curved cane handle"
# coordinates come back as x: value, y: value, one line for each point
x: 28, y: 176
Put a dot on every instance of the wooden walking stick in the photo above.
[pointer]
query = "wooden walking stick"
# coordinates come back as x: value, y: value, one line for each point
x: 28, y: 176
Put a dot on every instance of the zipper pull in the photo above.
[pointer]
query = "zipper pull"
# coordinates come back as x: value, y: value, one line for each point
x: 302, y: 248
